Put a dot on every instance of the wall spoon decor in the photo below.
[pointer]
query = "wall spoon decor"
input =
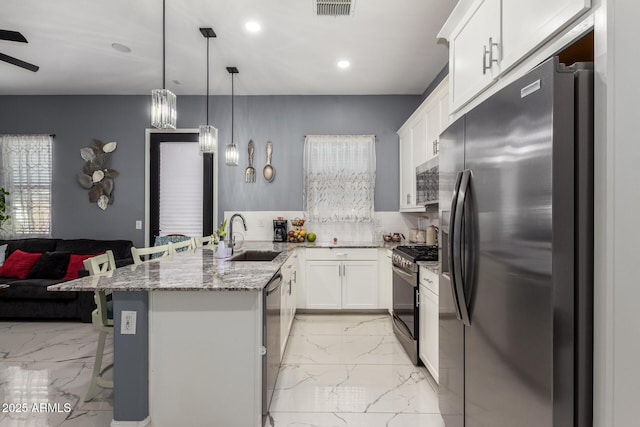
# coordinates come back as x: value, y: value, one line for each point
x: 96, y: 175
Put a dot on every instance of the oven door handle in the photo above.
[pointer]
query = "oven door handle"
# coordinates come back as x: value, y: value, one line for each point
x: 407, y: 276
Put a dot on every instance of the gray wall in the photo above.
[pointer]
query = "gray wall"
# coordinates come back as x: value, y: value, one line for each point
x: 440, y: 77
x: 285, y: 120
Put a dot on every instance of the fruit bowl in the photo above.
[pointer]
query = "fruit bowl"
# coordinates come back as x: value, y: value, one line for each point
x: 297, y: 235
x: 297, y: 222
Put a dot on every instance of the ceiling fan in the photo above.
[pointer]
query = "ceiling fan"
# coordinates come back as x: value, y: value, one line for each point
x: 15, y: 36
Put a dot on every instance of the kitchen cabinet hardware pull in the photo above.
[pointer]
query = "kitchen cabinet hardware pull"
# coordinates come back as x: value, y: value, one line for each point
x: 339, y: 271
x: 484, y: 60
x: 295, y: 276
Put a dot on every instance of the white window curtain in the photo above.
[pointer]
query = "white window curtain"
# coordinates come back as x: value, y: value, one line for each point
x: 25, y: 172
x: 340, y: 175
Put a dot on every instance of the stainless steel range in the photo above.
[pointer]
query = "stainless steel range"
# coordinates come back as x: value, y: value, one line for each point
x: 406, y: 298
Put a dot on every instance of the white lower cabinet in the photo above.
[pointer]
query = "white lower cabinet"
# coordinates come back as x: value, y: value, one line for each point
x: 360, y: 284
x: 342, y: 282
x: 287, y: 300
x: 428, y: 312
x: 385, y: 279
x: 324, y: 285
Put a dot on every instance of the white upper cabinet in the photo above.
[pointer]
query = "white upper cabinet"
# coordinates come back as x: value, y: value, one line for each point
x: 407, y: 172
x: 437, y: 117
x: 419, y: 141
x: 418, y: 138
x: 488, y: 37
x: 474, y: 51
x: 528, y: 24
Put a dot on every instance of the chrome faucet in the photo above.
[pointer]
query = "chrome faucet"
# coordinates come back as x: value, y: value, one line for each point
x: 244, y: 223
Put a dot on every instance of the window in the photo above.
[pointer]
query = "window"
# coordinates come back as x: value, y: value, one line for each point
x: 25, y: 172
x: 340, y: 175
x: 181, y: 188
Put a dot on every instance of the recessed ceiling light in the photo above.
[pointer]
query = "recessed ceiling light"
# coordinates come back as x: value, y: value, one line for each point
x: 252, y: 26
x: 121, y: 48
x: 344, y: 63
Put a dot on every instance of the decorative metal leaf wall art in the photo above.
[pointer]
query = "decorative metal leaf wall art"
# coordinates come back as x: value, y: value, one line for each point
x: 96, y: 175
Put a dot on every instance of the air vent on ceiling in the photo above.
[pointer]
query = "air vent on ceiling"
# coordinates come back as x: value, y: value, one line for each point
x: 333, y: 7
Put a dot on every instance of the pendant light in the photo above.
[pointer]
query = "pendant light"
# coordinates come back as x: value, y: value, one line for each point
x: 163, y: 101
x: 232, y: 156
x: 208, y: 134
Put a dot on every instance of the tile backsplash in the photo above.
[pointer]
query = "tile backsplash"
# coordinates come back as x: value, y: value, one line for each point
x: 260, y: 225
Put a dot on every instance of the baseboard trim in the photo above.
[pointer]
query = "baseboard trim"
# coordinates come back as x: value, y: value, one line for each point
x: 341, y: 311
x: 144, y: 423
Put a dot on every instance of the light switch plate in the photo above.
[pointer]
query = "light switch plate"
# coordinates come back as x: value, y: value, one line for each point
x: 138, y: 225
x: 128, y: 323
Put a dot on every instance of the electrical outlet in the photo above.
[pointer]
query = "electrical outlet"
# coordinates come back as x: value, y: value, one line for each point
x: 138, y: 225
x: 260, y: 222
x: 128, y: 323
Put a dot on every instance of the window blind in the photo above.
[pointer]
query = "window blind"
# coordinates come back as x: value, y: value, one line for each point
x: 181, y: 188
x: 26, y: 169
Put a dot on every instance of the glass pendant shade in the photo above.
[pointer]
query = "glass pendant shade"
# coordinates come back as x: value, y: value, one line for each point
x: 208, y: 139
x: 232, y: 156
x: 163, y: 109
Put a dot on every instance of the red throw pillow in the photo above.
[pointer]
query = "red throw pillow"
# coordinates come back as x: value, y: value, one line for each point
x: 19, y: 264
x: 76, y: 264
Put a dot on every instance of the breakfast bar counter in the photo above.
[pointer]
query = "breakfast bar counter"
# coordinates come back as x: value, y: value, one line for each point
x: 198, y: 331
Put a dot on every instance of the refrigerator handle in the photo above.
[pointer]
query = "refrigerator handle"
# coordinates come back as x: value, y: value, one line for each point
x: 457, y: 246
x: 452, y: 233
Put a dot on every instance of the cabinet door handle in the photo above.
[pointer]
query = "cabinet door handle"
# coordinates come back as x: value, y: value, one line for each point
x: 295, y: 276
x: 339, y: 270
x: 489, y: 52
x: 408, y: 198
x: 344, y: 271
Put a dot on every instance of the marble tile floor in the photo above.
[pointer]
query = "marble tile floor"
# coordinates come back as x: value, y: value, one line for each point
x: 338, y: 370
x: 50, y: 362
x: 350, y: 370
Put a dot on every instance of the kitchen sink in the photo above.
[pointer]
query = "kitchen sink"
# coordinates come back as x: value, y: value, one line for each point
x: 255, y: 256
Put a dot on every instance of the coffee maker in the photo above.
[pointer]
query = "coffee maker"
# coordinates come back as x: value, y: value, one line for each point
x: 279, y: 230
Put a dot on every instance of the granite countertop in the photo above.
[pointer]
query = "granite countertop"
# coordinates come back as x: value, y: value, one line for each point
x: 202, y: 271
x: 196, y: 271
x: 434, y: 266
x: 349, y: 244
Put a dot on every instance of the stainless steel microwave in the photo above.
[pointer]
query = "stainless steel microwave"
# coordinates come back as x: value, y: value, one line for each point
x: 427, y: 182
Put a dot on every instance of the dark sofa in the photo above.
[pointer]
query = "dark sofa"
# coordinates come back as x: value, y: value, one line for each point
x: 30, y: 299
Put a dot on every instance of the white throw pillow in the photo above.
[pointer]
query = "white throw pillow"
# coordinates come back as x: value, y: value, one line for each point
x: 3, y: 253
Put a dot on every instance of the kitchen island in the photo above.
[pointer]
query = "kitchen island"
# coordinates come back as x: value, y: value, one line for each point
x: 196, y: 355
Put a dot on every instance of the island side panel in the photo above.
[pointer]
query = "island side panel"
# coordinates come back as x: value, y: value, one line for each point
x: 205, y: 363
x: 131, y: 359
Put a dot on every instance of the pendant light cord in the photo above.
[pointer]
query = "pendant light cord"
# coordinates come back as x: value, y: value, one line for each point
x: 207, y: 81
x: 232, y: 75
x: 164, y: 83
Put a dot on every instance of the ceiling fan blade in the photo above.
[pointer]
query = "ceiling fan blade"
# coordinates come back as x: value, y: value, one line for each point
x: 12, y: 36
x: 19, y: 63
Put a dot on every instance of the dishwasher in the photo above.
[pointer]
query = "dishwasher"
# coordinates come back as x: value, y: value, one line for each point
x: 270, y: 340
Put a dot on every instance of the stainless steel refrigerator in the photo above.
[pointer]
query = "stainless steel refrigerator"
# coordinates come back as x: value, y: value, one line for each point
x: 516, y: 283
